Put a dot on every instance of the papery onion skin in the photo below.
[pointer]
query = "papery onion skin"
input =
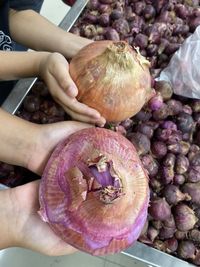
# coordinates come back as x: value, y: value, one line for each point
x: 112, y: 78
x: 77, y: 215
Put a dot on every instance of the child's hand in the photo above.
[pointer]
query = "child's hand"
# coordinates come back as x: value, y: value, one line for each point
x: 54, y: 69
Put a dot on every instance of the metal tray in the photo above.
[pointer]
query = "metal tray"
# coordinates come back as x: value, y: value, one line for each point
x: 140, y: 252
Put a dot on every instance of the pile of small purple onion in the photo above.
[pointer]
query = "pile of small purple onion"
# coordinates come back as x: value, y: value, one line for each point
x: 157, y: 27
x: 167, y: 138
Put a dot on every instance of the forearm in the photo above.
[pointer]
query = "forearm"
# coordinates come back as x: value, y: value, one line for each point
x: 17, y: 138
x: 44, y: 36
x: 15, y: 65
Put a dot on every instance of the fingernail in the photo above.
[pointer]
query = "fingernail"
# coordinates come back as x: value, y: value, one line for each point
x: 72, y: 91
x: 101, y: 122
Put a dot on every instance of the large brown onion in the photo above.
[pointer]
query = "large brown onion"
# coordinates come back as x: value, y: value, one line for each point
x: 112, y: 78
x: 94, y: 192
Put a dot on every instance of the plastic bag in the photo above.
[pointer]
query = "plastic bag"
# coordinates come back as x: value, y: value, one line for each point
x: 183, y: 71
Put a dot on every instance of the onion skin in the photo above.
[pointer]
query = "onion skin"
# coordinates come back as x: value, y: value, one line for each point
x: 77, y: 213
x: 110, y: 76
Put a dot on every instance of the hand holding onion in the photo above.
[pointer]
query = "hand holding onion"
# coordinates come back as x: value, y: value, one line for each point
x: 94, y: 192
x: 21, y: 225
x: 54, y: 70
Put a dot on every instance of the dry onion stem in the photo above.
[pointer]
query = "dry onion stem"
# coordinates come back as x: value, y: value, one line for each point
x: 94, y: 192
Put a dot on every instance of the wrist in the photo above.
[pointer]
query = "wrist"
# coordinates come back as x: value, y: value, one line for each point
x: 8, y: 231
x: 71, y: 44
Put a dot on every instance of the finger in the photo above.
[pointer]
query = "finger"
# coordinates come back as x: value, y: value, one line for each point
x: 75, y: 105
x: 65, y: 81
x: 84, y: 118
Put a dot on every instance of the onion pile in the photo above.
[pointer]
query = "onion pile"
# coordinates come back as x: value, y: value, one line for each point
x: 94, y: 192
x: 158, y: 28
x: 110, y: 76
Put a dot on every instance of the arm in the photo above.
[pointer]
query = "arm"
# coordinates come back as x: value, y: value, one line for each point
x: 31, y: 29
x: 53, y: 69
x: 45, y: 36
x: 29, y: 145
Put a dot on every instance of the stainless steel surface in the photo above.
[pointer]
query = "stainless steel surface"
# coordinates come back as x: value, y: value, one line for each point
x: 23, y: 86
x: 151, y: 257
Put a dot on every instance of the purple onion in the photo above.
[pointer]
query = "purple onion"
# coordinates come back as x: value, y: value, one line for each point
x: 31, y: 103
x: 155, y: 184
x: 89, y: 31
x: 75, y: 30
x: 149, y: 12
x: 130, y: 16
x: 173, y: 195
x: 167, y: 175
x: 116, y: 14
x: 143, y: 116
x: 194, y: 22
x: 166, y: 233
x: 112, y: 34
x: 141, y: 40
x: 141, y: 142
x: 91, y: 18
x: 187, y: 109
x: 121, y: 26
x: 93, y: 4
x: 169, y: 125
x: 157, y: 224
x: 175, y: 137
x: 169, y: 160
x: 194, y: 235
x: 104, y: 19
x: 180, y: 235
x: 185, y: 122
x: 171, y: 245
x: 182, y: 164
x: 165, y: 89
x: 195, y: 105
x: 159, y: 209
x: 152, y: 50
x: 163, y: 134
x: 159, y: 149
x: 103, y: 8
x: 179, y: 179
x: 179, y: 148
x: 150, y: 165
x: 162, y: 46
x: 193, y: 174
x: 170, y: 222
x: 152, y: 233
x: 138, y: 7
x: 193, y: 189
x: 155, y: 102
x: 161, y: 113
x: 175, y: 107
x: 145, y: 129
x: 182, y: 11
x: 184, y: 216
x: 171, y: 48
x: 186, y: 250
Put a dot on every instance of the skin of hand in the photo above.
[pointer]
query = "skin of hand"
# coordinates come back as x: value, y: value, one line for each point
x: 54, y: 70
x: 24, y: 227
x: 21, y: 224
